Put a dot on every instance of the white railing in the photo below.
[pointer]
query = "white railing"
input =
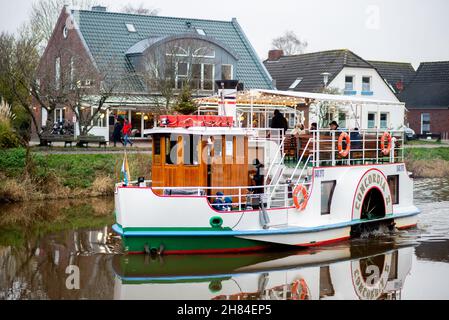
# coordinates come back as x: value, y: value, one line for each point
x: 365, y: 147
x: 239, y: 198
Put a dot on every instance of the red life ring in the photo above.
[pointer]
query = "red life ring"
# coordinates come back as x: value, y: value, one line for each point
x: 341, y: 152
x: 300, y: 189
x: 299, y: 290
x: 385, y: 150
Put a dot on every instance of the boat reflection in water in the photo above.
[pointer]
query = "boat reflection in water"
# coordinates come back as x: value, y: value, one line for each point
x: 348, y: 271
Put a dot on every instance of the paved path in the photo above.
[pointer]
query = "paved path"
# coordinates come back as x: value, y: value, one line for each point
x: 58, y: 148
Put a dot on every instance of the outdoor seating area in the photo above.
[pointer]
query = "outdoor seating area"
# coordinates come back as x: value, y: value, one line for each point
x: 68, y: 140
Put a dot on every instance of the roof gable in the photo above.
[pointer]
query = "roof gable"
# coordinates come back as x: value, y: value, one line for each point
x: 108, y: 39
x: 429, y: 88
x: 395, y: 72
x: 310, y: 66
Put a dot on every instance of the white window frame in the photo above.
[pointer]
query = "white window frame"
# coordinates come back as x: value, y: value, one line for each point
x: 387, y: 121
x: 130, y: 27
x: 58, y: 112
x: 178, y: 76
x: 370, y: 83
x: 422, y: 122
x: 58, y: 73
x: 232, y: 70
x: 375, y: 120
x: 353, y: 82
x: 203, y: 56
x: 177, y: 54
x: 295, y: 83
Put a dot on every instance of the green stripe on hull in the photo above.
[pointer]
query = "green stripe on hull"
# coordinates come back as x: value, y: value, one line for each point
x: 191, y: 244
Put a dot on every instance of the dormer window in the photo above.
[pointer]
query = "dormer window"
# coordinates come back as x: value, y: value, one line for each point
x: 131, y: 28
x: 295, y: 83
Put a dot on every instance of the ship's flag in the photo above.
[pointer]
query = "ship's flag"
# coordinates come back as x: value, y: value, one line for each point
x: 125, y: 170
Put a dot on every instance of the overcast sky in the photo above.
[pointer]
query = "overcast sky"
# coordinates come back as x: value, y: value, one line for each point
x: 391, y: 30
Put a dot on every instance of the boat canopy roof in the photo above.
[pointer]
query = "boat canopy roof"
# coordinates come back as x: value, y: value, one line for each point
x: 329, y: 97
x: 277, y: 98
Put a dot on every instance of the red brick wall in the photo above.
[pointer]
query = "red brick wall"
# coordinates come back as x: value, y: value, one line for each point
x: 58, y: 46
x: 439, y: 120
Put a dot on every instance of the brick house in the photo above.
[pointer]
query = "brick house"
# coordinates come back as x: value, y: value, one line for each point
x: 427, y: 99
x: 129, y: 54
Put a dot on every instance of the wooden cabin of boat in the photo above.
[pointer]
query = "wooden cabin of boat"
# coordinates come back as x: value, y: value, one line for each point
x: 210, y: 153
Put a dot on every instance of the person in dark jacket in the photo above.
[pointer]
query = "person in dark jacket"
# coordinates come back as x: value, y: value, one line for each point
x: 117, y: 133
x: 279, y: 122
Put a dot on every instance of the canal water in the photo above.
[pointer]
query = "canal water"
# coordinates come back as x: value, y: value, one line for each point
x: 62, y: 258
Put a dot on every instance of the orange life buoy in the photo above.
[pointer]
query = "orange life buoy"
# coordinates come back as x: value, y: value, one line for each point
x: 341, y: 152
x: 300, y: 189
x: 299, y: 290
x: 385, y: 150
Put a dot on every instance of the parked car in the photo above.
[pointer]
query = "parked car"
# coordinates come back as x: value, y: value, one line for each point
x: 409, y: 134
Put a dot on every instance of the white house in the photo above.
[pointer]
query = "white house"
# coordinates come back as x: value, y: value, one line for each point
x: 345, y: 73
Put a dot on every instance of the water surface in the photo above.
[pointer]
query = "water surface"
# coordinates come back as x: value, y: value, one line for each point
x: 34, y: 260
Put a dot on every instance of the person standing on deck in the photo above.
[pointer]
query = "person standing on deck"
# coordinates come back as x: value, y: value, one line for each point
x: 279, y: 122
x: 126, y: 132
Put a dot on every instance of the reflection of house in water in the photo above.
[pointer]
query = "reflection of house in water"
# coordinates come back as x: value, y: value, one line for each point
x: 329, y: 274
x: 40, y: 272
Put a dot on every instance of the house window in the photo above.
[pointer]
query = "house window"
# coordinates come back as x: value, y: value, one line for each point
x: 204, y: 52
x: 59, y: 115
x: 181, y: 74
x: 349, y: 83
x: 202, y: 76
x: 327, y: 193
x: 425, y: 123
x: 200, y: 32
x: 393, y: 183
x: 384, y: 120
x: 178, y: 52
x: 57, y: 73
x: 130, y: 27
x: 226, y: 72
x: 366, y: 85
x: 72, y: 73
x: 295, y: 83
x: 208, y: 76
x: 371, y: 120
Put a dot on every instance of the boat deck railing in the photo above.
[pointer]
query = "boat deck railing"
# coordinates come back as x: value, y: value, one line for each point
x: 230, y: 198
x: 365, y: 147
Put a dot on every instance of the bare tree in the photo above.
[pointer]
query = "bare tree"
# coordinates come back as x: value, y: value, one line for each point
x: 140, y: 9
x: 289, y: 43
x: 45, y: 13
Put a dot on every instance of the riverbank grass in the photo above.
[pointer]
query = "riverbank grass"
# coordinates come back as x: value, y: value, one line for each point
x: 54, y: 176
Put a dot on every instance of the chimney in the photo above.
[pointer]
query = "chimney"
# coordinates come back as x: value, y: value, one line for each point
x: 274, y: 55
x: 99, y: 8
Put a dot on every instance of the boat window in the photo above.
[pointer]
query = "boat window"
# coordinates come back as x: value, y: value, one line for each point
x: 218, y: 146
x: 393, y: 183
x: 171, y: 150
x: 371, y: 120
x: 229, y: 146
x: 327, y: 193
x: 157, y: 145
x: 190, y: 148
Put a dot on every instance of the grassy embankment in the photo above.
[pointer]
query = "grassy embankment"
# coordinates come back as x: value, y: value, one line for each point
x: 428, y: 162
x: 63, y: 176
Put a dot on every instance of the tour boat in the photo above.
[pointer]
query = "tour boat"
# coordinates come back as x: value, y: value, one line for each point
x: 220, y: 187
x: 340, y: 272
